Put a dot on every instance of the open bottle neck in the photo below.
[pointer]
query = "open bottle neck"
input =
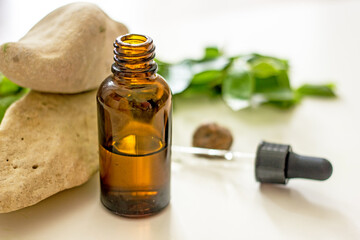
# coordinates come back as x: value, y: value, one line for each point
x: 134, y: 57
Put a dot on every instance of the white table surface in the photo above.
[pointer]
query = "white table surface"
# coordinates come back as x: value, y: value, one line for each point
x: 322, y: 41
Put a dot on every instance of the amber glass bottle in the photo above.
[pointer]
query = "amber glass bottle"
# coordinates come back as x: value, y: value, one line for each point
x: 134, y: 122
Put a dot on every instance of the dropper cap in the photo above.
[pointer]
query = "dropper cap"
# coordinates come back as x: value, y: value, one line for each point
x: 277, y: 163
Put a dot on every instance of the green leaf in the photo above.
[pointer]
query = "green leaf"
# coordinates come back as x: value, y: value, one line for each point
x: 324, y: 90
x: 6, y: 101
x: 283, y: 98
x: 211, y: 53
x: 189, y: 73
x: 207, y: 77
x: 163, y: 68
x: 255, y: 56
x: 205, y: 83
x: 270, y: 74
x: 178, y: 76
x: 279, y: 95
x: 201, y: 90
x: 264, y: 68
x: 282, y: 104
x: 7, y: 87
x: 5, y: 47
x: 9, y: 93
x: 237, y: 86
x: 214, y: 64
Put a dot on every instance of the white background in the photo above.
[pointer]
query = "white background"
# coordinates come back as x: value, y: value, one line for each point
x: 322, y: 41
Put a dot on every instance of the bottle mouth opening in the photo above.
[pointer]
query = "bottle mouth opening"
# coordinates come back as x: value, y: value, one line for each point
x: 135, y: 40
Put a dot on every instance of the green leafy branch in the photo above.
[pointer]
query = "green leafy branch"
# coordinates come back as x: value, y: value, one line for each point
x: 9, y: 93
x: 242, y: 81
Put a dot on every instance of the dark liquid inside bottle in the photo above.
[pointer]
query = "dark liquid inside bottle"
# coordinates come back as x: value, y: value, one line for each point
x: 135, y: 173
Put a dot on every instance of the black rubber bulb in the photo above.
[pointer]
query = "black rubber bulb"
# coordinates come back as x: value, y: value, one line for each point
x: 299, y: 166
x: 277, y: 163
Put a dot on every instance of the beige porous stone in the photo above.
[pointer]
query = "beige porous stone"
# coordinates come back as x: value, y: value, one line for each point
x: 68, y: 51
x: 48, y: 143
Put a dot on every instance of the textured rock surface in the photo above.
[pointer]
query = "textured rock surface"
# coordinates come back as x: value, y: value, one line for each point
x: 68, y: 51
x: 48, y: 143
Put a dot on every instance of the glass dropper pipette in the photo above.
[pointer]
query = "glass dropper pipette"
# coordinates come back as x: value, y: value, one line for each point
x: 273, y: 163
x: 225, y: 154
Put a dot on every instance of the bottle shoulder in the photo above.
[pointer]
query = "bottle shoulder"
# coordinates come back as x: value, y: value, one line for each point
x: 119, y: 93
x: 162, y: 80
